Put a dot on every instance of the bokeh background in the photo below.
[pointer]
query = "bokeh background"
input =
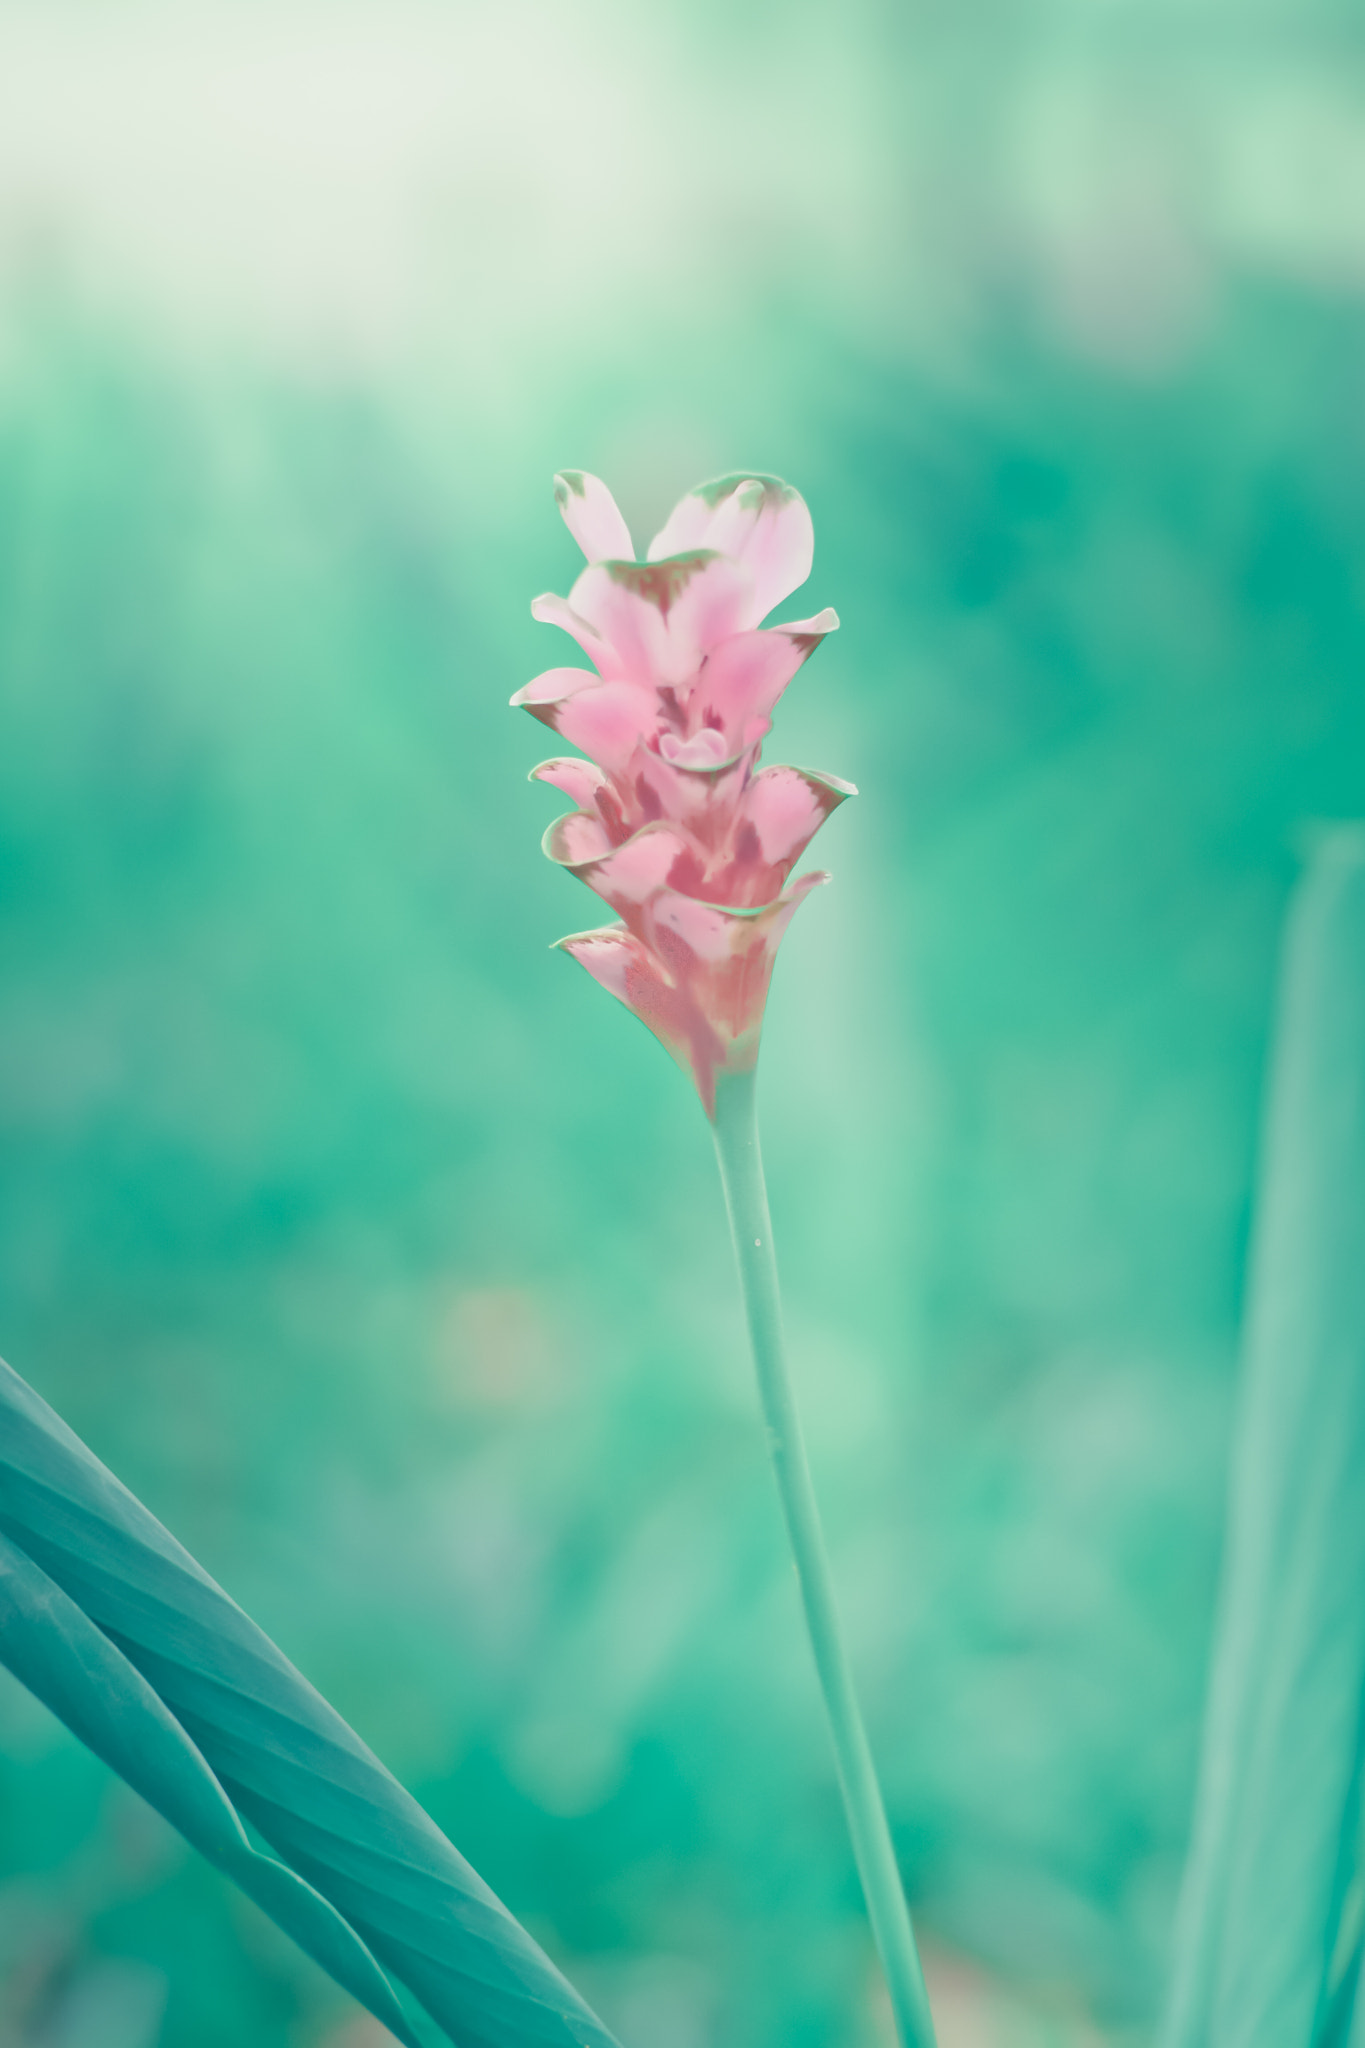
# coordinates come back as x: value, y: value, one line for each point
x: 378, y: 1251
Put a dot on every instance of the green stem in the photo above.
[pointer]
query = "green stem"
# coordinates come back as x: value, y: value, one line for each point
x: 735, y: 1124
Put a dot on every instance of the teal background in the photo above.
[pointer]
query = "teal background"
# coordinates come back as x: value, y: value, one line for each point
x: 379, y: 1252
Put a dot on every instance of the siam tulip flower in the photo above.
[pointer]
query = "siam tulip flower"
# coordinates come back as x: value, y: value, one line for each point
x: 692, y: 844
x: 677, y: 828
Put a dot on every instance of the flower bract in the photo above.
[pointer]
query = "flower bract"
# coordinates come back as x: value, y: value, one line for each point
x: 676, y: 826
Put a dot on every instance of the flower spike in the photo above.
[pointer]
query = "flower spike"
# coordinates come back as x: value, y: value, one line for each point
x: 677, y: 827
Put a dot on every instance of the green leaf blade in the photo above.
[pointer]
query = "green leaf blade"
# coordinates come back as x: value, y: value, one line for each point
x: 1278, y: 1809
x: 50, y: 1646
x: 290, y: 1763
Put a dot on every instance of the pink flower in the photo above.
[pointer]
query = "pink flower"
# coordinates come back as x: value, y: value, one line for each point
x: 676, y: 827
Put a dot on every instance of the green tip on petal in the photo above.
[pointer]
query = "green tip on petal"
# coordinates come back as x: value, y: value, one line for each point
x: 771, y: 487
x: 834, y: 783
x: 569, y: 480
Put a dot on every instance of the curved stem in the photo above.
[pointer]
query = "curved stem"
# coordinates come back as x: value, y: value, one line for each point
x: 735, y: 1125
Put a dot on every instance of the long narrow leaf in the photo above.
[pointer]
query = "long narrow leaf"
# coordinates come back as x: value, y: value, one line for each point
x: 65, y: 1661
x: 1278, y: 1805
x: 286, y: 1760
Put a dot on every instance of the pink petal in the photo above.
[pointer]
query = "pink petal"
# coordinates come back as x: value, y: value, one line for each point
x: 579, y: 780
x: 777, y: 817
x: 552, y: 686
x: 574, y: 840
x: 708, y: 749
x: 618, y: 802
x: 557, y: 611
x: 596, y: 795
x: 700, y: 798
x: 701, y: 985
x: 609, y: 954
x: 629, y: 875
x: 626, y: 968
x: 745, y: 675
x: 718, y: 936
x: 757, y: 520
x: 724, y: 959
x: 785, y: 807
x: 606, y: 719
x: 591, y: 516
x: 661, y: 618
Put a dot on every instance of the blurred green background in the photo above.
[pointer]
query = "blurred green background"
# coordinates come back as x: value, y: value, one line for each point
x: 377, y: 1250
